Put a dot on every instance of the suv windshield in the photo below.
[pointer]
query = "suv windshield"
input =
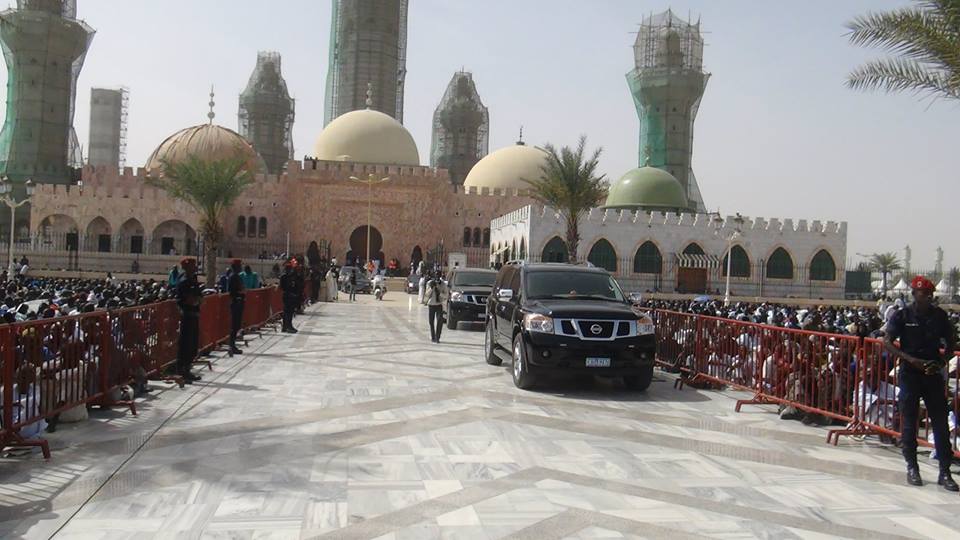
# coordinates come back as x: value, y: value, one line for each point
x: 474, y: 279
x: 573, y: 284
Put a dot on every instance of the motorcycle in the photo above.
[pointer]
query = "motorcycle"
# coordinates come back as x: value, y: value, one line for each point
x: 379, y: 287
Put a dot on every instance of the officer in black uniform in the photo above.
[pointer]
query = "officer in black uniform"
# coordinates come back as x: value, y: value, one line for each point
x: 923, y: 329
x: 188, y: 295
x: 237, y: 295
x: 291, y: 296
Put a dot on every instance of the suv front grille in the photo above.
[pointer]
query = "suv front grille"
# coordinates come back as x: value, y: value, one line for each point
x: 475, y: 299
x: 584, y: 329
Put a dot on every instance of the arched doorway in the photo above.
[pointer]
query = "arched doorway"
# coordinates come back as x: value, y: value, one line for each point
x: 358, y: 245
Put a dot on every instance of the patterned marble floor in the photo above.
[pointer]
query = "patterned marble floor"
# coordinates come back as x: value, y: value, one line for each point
x: 360, y: 427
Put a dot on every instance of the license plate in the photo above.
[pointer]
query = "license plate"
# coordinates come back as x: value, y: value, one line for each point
x: 598, y: 362
x: 481, y: 315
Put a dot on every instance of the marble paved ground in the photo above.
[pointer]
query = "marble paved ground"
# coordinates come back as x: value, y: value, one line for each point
x: 360, y: 427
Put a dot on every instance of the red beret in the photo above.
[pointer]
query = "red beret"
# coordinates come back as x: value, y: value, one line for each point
x: 235, y: 262
x: 923, y: 284
x: 188, y: 261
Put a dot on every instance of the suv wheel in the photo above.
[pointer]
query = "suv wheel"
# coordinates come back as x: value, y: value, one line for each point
x: 522, y: 377
x: 640, y: 382
x: 489, y: 349
x: 451, y: 321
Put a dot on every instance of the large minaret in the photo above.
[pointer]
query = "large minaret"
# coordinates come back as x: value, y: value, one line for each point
x: 44, y: 46
x: 266, y: 113
x: 368, y: 45
x: 461, y: 125
x: 667, y: 83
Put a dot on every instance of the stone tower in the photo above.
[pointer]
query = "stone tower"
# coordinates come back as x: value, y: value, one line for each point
x: 461, y: 125
x: 667, y: 84
x: 267, y: 112
x: 44, y: 46
x: 108, y: 127
x: 368, y: 45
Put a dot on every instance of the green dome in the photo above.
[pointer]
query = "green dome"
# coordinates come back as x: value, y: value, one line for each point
x: 647, y: 188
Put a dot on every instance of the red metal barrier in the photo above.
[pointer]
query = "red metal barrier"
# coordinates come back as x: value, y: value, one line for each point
x: 55, y: 365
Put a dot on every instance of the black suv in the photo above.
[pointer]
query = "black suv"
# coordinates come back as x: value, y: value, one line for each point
x: 469, y: 289
x: 563, y: 318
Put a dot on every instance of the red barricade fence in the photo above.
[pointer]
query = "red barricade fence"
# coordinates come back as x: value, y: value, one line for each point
x: 836, y: 377
x: 56, y: 366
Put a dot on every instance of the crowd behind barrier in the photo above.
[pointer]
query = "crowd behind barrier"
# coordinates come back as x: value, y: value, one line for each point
x: 59, y: 366
x: 845, y: 380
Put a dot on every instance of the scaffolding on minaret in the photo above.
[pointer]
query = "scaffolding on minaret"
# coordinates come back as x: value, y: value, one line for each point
x: 461, y: 127
x: 667, y: 84
x: 267, y: 112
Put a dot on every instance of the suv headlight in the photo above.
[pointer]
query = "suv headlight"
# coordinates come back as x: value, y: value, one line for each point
x: 456, y: 296
x: 534, y: 322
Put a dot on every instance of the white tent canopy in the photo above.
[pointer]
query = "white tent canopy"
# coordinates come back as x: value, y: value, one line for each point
x: 901, y: 287
x: 943, y: 288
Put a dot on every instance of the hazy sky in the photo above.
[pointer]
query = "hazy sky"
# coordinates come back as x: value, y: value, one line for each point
x: 778, y: 134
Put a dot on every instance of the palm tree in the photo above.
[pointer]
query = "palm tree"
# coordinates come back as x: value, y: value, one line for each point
x: 925, y: 43
x: 210, y: 187
x: 885, y: 263
x: 569, y: 184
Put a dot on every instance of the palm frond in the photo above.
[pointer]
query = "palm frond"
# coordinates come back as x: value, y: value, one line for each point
x: 900, y: 75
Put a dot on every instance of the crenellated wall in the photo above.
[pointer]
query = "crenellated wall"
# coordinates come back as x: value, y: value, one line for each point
x: 672, y: 233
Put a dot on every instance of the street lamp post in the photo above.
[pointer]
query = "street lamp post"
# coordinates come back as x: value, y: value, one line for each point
x: 718, y: 223
x: 6, y: 195
x: 370, y: 180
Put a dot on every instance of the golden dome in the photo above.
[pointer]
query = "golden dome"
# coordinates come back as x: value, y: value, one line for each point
x: 208, y: 142
x: 507, y: 168
x: 367, y: 136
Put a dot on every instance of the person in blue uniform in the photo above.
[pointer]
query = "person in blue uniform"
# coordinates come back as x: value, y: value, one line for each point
x: 189, y: 295
x: 924, y: 330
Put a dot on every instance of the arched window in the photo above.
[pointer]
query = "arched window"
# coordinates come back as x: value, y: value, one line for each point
x: 780, y: 265
x: 477, y: 237
x: 555, y: 251
x: 603, y: 255
x: 241, y: 226
x: 251, y: 227
x: 822, y: 267
x: 693, y: 248
x: 648, y: 260
x: 739, y: 263
x: 512, y: 254
x: 486, y: 237
x: 466, y: 237
x: 263, y: 227
x: 523, y: 249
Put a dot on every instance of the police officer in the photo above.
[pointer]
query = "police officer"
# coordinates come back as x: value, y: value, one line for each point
x: 236, y: 290
x: 291, y: 296
x: 923, y: 329
x: 189, y: 295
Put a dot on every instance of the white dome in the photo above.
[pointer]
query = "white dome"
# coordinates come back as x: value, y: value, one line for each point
x: 507, y: 168
x: 367, y: 136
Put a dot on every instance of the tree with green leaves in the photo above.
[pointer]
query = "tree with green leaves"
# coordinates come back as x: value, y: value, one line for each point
x: 885, y: 263
x: 924, y: 41
x: 210, y: 187
x: 569, y: 184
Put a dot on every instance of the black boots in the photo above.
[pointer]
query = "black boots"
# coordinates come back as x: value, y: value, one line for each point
x: 946, y: 480
x: 913, y: 476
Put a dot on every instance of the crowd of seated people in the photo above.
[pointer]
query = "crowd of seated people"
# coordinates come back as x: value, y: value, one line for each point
x: 809, y: 356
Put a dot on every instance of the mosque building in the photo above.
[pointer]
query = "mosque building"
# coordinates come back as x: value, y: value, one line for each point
x: 365, y: 173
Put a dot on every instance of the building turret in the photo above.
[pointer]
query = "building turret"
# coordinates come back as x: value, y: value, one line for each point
x: 267, y: 112
x: 44, y: 46
x: 368, y: 45
x: 667, y: 84
x: 461, y: 125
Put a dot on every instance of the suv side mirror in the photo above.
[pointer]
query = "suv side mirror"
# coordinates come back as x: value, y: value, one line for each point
x: 504, y: 294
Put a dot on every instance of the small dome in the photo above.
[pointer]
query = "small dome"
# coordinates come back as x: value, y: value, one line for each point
x: 507, y: 168
x: 647, y: 188
x: 206, y: 141
x: 367, y: 136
